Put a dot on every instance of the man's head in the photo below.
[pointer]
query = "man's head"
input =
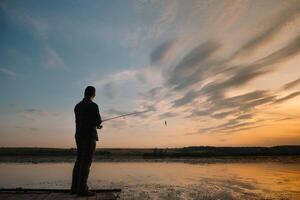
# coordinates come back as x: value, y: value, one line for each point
x: 90, y: 92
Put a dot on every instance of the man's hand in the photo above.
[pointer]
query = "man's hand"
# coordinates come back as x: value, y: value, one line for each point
x: 99, y: 127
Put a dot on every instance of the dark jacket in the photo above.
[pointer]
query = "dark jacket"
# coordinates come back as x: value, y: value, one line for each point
x: 87, y: 118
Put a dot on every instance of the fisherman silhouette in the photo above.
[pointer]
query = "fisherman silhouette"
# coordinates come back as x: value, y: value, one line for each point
x: 88, y: 119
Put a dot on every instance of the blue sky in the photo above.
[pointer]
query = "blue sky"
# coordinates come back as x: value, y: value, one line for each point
x: 192, y: 63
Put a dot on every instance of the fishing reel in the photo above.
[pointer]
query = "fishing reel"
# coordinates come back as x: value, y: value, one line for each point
x: 99, y: 127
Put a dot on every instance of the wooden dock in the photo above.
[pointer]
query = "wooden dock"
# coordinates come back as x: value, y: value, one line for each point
x: 51, y: 194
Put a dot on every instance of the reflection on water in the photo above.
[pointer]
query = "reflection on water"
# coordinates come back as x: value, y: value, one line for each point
x: 167, y: 180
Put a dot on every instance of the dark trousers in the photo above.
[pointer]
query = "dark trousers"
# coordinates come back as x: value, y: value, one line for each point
x: 85, y: 151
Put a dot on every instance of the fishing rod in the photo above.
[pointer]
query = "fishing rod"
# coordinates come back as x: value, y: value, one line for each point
x: 128, y: 114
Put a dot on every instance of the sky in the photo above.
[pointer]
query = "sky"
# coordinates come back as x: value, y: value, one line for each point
x: 220, y: 73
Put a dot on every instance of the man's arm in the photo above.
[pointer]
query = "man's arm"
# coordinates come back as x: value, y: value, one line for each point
x: 97, y: 117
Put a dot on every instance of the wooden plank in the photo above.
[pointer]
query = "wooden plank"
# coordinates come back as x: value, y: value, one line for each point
x: 107, y: 196
x: 46, y: 195
x: 4, y: 196
x: 81, y: 198
x: 41, y: 196
x: 67, y: 196
x: 22, y: 197
x: 52, y: 196
x: 92, y: 197
x: 52, y: 190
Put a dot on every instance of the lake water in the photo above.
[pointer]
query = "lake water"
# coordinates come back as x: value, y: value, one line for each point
x: 167, y: 180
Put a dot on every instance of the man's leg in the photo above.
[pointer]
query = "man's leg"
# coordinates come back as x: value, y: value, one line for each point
x: 88, y: 150
x: 76, y: 169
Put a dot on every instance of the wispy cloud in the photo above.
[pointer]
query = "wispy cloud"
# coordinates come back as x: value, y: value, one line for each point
x: 110, y: 90
x: 52, y: 60
x: 275, y: 25
x: 138, y: 34
x: 39, y: 29
x: 117, y: 77
x: 152, y: 94
x: 198, y: 85
x: 10, y: 73
x: 111, y: 83
x: 29, y: 129
x: 35, y: 114
x: 132, y: 38
x: 161, y: 51
x: 113, y: 112
x: 290, y: 96
x: 230, y: 126
x: 189, y: 70
x: 291, y: 84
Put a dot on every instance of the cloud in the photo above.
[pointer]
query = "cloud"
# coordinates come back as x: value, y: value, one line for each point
x: 221, y: 115
x: 111, y: 84
x: 139, y: 34
x: 115, y: 112
x: 191, y: 69
x: 240, y: 109
x: 260, y: 67
x: 230, y: 126
x: 290, y: 96
x: 259, y: 102
x: 142, y: 77
x: 110, y: 90
x: 238, y: 106
x: 190, y: 65
x: 124, y: 75
x: 30, y: 129
x: 117, y: 124
x: 291, y: 84
x: 34, y: 114
x: 22, y: 17
x: 241, y: 75
x: 282, y: 54
x: 40, y: 112
x: 52, y: 60
x: 220, y: 106
x: 187, y: 98
x: 199, y: 65
x: 10, y: 73
x: 202, y: 80
x: 39, y: 29
x: 274, y: 26
x: 149, y: 108
x: 151, y: 94
x: 160, y: 52
x: 167, y: 115
x: 168, y: 14
x: 216, y: 89
x: 239, y: 78
x: 132, y: 38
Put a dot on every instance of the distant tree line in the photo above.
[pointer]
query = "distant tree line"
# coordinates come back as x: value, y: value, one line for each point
x: 208, y: 151
x: 193, y: 151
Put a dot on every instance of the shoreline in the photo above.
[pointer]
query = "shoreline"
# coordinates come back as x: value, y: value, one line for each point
x: 200, y: 160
